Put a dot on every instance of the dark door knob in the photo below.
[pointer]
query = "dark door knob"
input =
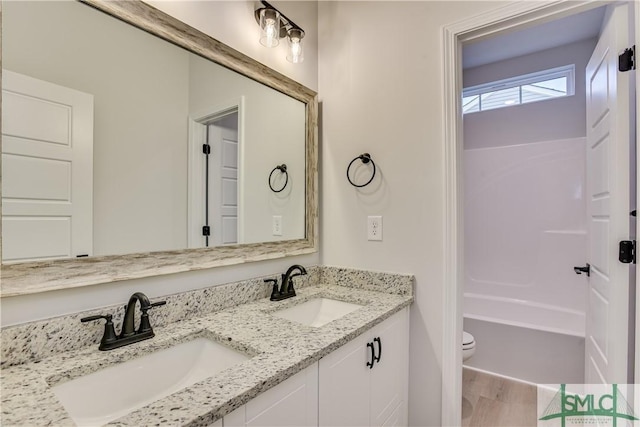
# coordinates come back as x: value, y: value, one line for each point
x: 585, y: 269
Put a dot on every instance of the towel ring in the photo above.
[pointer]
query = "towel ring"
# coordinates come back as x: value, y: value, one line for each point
x: 366, y: 158
x: 283, y: 169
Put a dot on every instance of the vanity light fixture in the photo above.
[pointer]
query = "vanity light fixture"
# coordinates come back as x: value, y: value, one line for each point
x: 270, y: 26
x: 275, y: 25
x: 295, y: 53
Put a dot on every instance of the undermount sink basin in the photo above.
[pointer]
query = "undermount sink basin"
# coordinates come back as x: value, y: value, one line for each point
x: 317, y: 312
x: 108, y: 394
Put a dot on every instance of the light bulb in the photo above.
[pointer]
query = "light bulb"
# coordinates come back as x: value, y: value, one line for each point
x: 295, y: 53
x: 270, y: 32
x: 270, y: 24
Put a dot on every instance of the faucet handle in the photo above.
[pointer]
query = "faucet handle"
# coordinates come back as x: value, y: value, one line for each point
x: 274, y: 290
x: 145, y: 325
x: 108, y: 318
x: 109, y: 335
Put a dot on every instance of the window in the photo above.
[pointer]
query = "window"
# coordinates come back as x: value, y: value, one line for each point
x: 540, y: 86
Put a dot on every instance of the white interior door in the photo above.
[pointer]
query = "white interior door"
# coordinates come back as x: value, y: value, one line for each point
x: 609, y: 143
x: 47, y: 170
x: 221, y: 128
x: 223, y: 196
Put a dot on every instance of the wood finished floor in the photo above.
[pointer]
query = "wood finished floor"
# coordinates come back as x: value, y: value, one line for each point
x: 491, y: 401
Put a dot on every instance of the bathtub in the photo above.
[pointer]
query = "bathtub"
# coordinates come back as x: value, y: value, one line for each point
x: 537, y: 343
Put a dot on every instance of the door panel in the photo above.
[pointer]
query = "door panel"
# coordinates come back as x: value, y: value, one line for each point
x: 36, y: 178
x: 600, y: 307
x: 51, y: 235
x: 53, y: 119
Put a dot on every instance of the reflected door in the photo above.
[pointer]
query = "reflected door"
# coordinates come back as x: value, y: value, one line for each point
x: 47, y: 170
x: 223, y: 185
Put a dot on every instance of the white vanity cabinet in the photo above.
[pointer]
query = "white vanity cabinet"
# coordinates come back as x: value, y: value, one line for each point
x: 351, y: 393
x: 293, y: 402
x: 340, y: 389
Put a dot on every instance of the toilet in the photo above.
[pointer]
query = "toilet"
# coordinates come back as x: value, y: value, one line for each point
x: 468, y: 345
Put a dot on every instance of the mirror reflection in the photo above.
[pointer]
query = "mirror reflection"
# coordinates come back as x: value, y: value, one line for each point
x: 116, y: 142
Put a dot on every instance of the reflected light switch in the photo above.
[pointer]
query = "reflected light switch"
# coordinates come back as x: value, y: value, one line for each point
x: 277, y: 225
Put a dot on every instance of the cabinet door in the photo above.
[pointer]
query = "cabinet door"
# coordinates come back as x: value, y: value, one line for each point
x: 397, y: 417
x: 293, y: 402
x: 390, y: 375
x: 237, y: 418
x: 344, y: 385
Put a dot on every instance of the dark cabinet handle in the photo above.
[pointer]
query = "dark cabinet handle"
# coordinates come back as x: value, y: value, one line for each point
x: 377, y: 358
x: 373, y: 356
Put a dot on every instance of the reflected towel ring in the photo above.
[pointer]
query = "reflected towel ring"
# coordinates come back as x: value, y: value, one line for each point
x: 366, y: 158
x: 283, y: 169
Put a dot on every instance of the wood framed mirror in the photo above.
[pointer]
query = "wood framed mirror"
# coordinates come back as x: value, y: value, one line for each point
x: 170, y: 203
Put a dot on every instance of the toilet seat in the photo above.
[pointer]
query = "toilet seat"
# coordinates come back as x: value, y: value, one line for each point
x: 467, y: 340
x: 468, y: 345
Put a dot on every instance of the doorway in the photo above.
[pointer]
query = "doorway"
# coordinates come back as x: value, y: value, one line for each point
x: 483, y: 26
x: 524, y: 161
x: 215, y: 214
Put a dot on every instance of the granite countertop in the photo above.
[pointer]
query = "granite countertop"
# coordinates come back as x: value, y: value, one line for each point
x: 279, y: 349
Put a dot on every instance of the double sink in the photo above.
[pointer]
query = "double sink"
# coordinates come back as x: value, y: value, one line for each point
x: 110, y: 393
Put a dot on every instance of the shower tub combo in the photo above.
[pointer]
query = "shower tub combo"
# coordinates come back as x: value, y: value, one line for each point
x: 525, y: 230
x: 532, y: 342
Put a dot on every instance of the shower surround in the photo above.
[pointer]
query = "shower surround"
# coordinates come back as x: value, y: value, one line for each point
x: 525, y: 230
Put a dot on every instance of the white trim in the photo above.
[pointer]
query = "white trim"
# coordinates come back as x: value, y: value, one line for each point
x: 506, y: 377
x: 637, y: 326
x: 242, y: 169
x: 453, y: 257
x: 195, y: 187
x: 500, y: 19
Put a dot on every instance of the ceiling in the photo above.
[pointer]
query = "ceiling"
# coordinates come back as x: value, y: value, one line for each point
x: 534, y: 39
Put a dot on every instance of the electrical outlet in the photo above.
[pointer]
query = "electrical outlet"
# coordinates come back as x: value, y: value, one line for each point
x: 374, y: 228
x: 276, y: 225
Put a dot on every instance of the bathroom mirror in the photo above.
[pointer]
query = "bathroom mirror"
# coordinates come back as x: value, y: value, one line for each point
x: 127, y: 112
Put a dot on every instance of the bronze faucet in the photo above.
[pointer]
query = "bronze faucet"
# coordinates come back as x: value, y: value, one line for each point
x: 128, y: 334
x: 286, y: 287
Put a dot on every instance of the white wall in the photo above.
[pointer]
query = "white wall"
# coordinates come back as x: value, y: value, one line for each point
x: 39, y: 306
x: 140, y: 168
x: 381, y: 91
x: 274, y: 133
x: 563, y: 118
x: 525, y: 224
x: 232, y: 22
